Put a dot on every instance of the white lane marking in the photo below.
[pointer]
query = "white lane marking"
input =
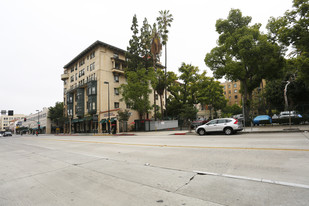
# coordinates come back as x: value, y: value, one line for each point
x: 253, y: 179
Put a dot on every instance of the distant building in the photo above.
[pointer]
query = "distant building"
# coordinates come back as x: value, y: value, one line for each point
x: 5, y: 120
x: 86, y: 80
x: 39, y: 119
x: 231, y: 92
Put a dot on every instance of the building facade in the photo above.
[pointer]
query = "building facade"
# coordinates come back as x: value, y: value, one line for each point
x: 5, y: 120
x: 38, y: 121
x: 231, y: 92
x: 91, y: 90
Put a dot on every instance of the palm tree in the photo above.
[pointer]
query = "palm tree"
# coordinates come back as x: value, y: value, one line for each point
x: 156, y: 48
x: 164, y: 21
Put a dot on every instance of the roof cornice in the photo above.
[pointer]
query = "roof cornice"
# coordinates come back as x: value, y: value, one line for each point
x: 91, y: 47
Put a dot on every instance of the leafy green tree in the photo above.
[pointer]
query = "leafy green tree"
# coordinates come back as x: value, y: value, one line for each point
x: 56, y: 114
x: 137, y: 90
x: 210, y: 92
x: 293, y: 30
x: 183, y: 92
x: 229, y: 111
x: 243, y: 54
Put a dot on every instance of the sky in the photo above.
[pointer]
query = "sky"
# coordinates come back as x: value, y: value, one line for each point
x: 38, y: 37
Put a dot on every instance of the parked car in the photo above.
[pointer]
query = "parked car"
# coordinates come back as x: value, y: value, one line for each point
x: 262, y: 119
x: 226, y: 125
x: 239, y: 117
x: 197, y: 123
x: 6, y: 134
x: 286, y: 114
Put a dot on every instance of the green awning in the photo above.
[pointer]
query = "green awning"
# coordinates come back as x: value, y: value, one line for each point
x: 113, y: 120
x: 103, y: 121
x: 74, y: 120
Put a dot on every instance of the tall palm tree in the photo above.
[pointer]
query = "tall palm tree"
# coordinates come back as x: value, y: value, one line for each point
x: 164, y: 21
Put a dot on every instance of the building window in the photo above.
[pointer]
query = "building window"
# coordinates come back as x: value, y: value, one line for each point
x: 229, y: 91
x: 116, y: 91
x: 116, y: 78
x: 235, y: 91
x: 116, y: 104
x: 236, y: 96
x: 229, y: 86
x: 235, y: 85
x: 92, y: 67
x: 128, y: 106
x: 92, y: 55
x: 82, y: 62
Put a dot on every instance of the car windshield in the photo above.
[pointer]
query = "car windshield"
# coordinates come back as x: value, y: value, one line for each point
x: 212, y: 122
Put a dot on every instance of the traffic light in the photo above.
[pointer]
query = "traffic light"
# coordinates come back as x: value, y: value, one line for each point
x: 25, y: 119
x: 39, y: 127
x: 10, y: 112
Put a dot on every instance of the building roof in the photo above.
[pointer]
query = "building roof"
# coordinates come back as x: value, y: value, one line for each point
x: 91, y: 47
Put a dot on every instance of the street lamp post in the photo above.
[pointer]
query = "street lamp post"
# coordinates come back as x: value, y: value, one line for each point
x: 38, y: 120
x: 109, y: 126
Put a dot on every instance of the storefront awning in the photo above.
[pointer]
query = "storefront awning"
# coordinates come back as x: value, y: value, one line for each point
x: 103, y: 121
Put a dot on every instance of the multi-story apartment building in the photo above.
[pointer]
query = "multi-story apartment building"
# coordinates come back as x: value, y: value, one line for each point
x: 231, y: 92
x: 5, y: 120
x: 91, y: 89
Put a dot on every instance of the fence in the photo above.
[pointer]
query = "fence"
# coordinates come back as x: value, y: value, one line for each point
x: 148, y: 125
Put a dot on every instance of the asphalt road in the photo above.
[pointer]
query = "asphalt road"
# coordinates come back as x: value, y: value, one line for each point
x: 158, y: 169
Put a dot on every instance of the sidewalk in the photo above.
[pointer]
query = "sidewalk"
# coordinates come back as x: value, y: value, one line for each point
x: 255, y: 129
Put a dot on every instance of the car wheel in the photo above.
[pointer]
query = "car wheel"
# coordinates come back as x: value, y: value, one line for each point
x: 228, y: 131
x: 201, y: 132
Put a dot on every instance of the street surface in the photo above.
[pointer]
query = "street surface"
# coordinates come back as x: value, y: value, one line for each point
x: 155, y: 169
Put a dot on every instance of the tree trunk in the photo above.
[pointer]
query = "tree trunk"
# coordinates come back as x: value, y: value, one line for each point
x: 161, y: 102
x: 165, y: 79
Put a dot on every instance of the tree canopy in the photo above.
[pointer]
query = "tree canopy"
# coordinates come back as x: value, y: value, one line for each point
x: 243, y: 53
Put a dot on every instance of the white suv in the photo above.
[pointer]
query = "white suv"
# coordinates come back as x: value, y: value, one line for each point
x: 226, y: 125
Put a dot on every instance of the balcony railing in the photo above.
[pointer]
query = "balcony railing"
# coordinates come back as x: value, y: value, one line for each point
x: 117, y: 70
x: 64, y: 76
x: 81, y: 85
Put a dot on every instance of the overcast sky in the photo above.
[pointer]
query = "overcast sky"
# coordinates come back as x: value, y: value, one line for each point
x: 38, y: 37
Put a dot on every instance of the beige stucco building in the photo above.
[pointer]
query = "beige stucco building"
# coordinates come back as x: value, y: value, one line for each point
x: 231, y: 92
x: 91, y: 79
x: 5, y: 120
